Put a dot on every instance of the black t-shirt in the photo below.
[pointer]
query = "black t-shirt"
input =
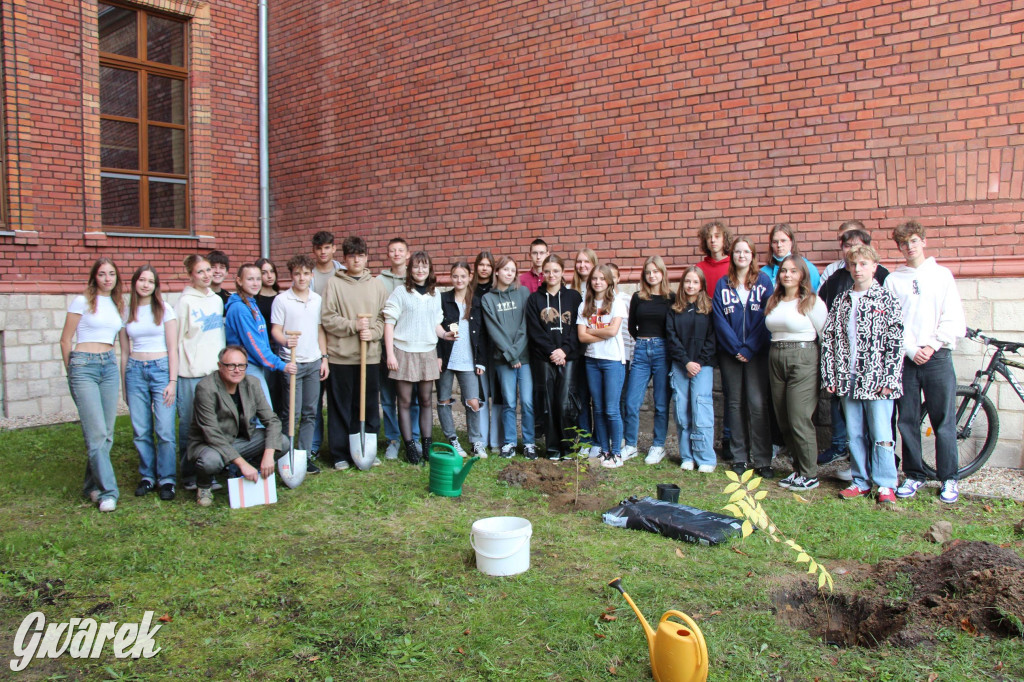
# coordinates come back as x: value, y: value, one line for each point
x: 647, y: 318
x: 243, y: 424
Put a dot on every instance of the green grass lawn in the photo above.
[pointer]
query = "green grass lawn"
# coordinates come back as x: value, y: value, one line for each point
x: 364, y: 576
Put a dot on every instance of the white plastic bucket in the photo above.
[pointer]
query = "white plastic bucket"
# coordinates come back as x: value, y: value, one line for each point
x: 502, y: 544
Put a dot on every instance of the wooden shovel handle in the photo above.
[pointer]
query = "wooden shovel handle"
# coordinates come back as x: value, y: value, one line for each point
x: 362, y: 373
x: 291, y: 389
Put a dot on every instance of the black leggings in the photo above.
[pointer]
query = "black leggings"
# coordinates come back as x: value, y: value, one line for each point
x: 426, y: 390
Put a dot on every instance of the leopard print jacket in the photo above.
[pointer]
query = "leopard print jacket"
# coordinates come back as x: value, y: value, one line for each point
x: 879, y: 361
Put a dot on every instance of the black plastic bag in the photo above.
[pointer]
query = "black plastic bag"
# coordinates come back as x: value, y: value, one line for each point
x: 676, y: 521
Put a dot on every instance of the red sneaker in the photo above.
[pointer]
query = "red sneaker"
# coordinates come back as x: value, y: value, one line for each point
x: 853, y: 491
x: 886, y: 496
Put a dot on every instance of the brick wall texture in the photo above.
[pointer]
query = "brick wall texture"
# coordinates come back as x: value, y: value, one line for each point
x: 51, y: 89
x: 462, y: 125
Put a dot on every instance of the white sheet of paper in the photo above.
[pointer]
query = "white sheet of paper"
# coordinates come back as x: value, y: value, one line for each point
x: 243, y: 493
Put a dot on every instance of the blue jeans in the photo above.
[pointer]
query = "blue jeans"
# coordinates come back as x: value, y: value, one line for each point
x: 869, y: 425
x: 511, y: 379
x: 186, y: 395
x: 389, y: 408
x: 145, y: 381
x: 254, y: 370
x: 648, y: 363
x: 93, y: 379
x: 839, y: 435
x: 605, y: 379
x: 695, y: 414
x: 469, y: 387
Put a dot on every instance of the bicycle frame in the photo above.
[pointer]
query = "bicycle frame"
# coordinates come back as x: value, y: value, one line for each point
x: 997, y: 365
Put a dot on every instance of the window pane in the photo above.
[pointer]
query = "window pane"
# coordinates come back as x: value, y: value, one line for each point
x: 119, y: 92
x: 166, y: 150
x: 119, y: 144
x: 120, y: 201
x: 165, y: 41
x: 166, y: 100
x: 118, y: 32
x: 167, y: 204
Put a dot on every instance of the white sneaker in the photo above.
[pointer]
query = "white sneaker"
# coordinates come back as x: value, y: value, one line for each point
x: 214, y: 485
x: 845, y: 474
x: 479, y: 450
x: 458, y: 446
x: 655, y: 455
x: 706, y: 468
x: 508, y: 450
x: 788, y: 480
x: 610, y: 461
x: 628, y: 452
x: 108, y: 504
x: 391, y: 452
x: 377, y: 462
x: 595, y: 452
x: 340, y: 465
x: 686, y: 466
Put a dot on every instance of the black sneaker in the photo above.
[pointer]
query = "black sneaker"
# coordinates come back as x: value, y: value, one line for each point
x: 765, y: 472
x: 145, y: 487
x: 167, y: 492
x: 831, y: 454
x: 739, y: 468
x: 530, y: 451
x: 311, y: 467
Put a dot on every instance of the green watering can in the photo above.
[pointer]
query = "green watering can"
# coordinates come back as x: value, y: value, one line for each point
x: 447, y: 470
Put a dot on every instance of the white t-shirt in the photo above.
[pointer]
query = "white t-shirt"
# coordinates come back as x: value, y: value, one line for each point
x: 851, y: 326
x: 787, y: 323
x: 101, y: 326
x: 461, y: 359
x: 609, y: 349
x: 296, y: 315
x: 744, y: 293
x: 147, y: 337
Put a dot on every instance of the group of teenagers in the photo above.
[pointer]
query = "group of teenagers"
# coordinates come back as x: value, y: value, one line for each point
x: 575, y: 358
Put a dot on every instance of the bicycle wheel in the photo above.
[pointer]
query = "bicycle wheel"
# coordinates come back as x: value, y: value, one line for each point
x: 974, y: 443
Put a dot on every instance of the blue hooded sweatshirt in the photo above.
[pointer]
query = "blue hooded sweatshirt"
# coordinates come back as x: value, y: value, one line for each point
x: 772, y: 270
x: 740, y: 329
x: 244, y: 326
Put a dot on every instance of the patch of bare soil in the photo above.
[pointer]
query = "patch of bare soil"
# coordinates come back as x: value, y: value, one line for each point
x: 976, y: 587
x: 557, y: 482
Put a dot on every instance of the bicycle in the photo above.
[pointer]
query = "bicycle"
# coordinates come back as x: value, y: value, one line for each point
x: 977, y: 420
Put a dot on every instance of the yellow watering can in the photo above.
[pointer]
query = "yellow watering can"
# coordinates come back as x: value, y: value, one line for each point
x: 678, y: 652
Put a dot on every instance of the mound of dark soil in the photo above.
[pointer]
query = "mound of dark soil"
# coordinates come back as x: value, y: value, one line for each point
x: 977, y: 587
x: 557, y: 481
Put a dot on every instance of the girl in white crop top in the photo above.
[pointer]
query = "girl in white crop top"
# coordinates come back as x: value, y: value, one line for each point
x: 149, y: 364
x: 95, y: 317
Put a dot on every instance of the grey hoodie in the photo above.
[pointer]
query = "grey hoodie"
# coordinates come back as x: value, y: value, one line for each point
x: 505, y: 317
x: 390, y: 280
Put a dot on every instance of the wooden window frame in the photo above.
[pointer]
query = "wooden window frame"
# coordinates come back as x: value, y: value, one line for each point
x: 145, y: 69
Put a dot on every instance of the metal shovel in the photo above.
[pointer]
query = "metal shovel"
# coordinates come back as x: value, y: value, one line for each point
x: 362, y: 446
x: 292, y: 469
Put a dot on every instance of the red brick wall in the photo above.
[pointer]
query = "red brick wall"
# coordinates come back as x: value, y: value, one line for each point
x: 624, y: 126
x: 52, y: 122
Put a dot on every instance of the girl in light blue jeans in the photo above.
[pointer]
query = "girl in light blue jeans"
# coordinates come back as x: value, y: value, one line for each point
x: 692, y: 348
x: 95, y: 319
x: 149, y: 362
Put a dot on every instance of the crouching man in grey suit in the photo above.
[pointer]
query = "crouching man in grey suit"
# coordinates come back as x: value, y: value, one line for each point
x: 225, y: 429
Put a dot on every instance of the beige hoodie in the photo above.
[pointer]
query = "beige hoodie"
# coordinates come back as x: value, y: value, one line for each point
x: 344, y: 299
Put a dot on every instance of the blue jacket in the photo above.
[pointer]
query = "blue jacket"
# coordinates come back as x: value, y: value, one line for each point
x: 740, y: 329
x: 244, y: 326
x: 772, y: 270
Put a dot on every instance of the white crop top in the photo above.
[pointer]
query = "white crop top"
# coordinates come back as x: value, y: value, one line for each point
x: 101, y: 326
x: 147, y: 337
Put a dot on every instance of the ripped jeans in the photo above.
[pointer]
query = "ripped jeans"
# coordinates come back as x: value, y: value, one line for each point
x: 871, y: 442
x: 468, y: 385
x: 695, y: 414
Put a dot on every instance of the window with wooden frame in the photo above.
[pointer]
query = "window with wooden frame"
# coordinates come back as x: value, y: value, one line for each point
x: 143, y: 120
